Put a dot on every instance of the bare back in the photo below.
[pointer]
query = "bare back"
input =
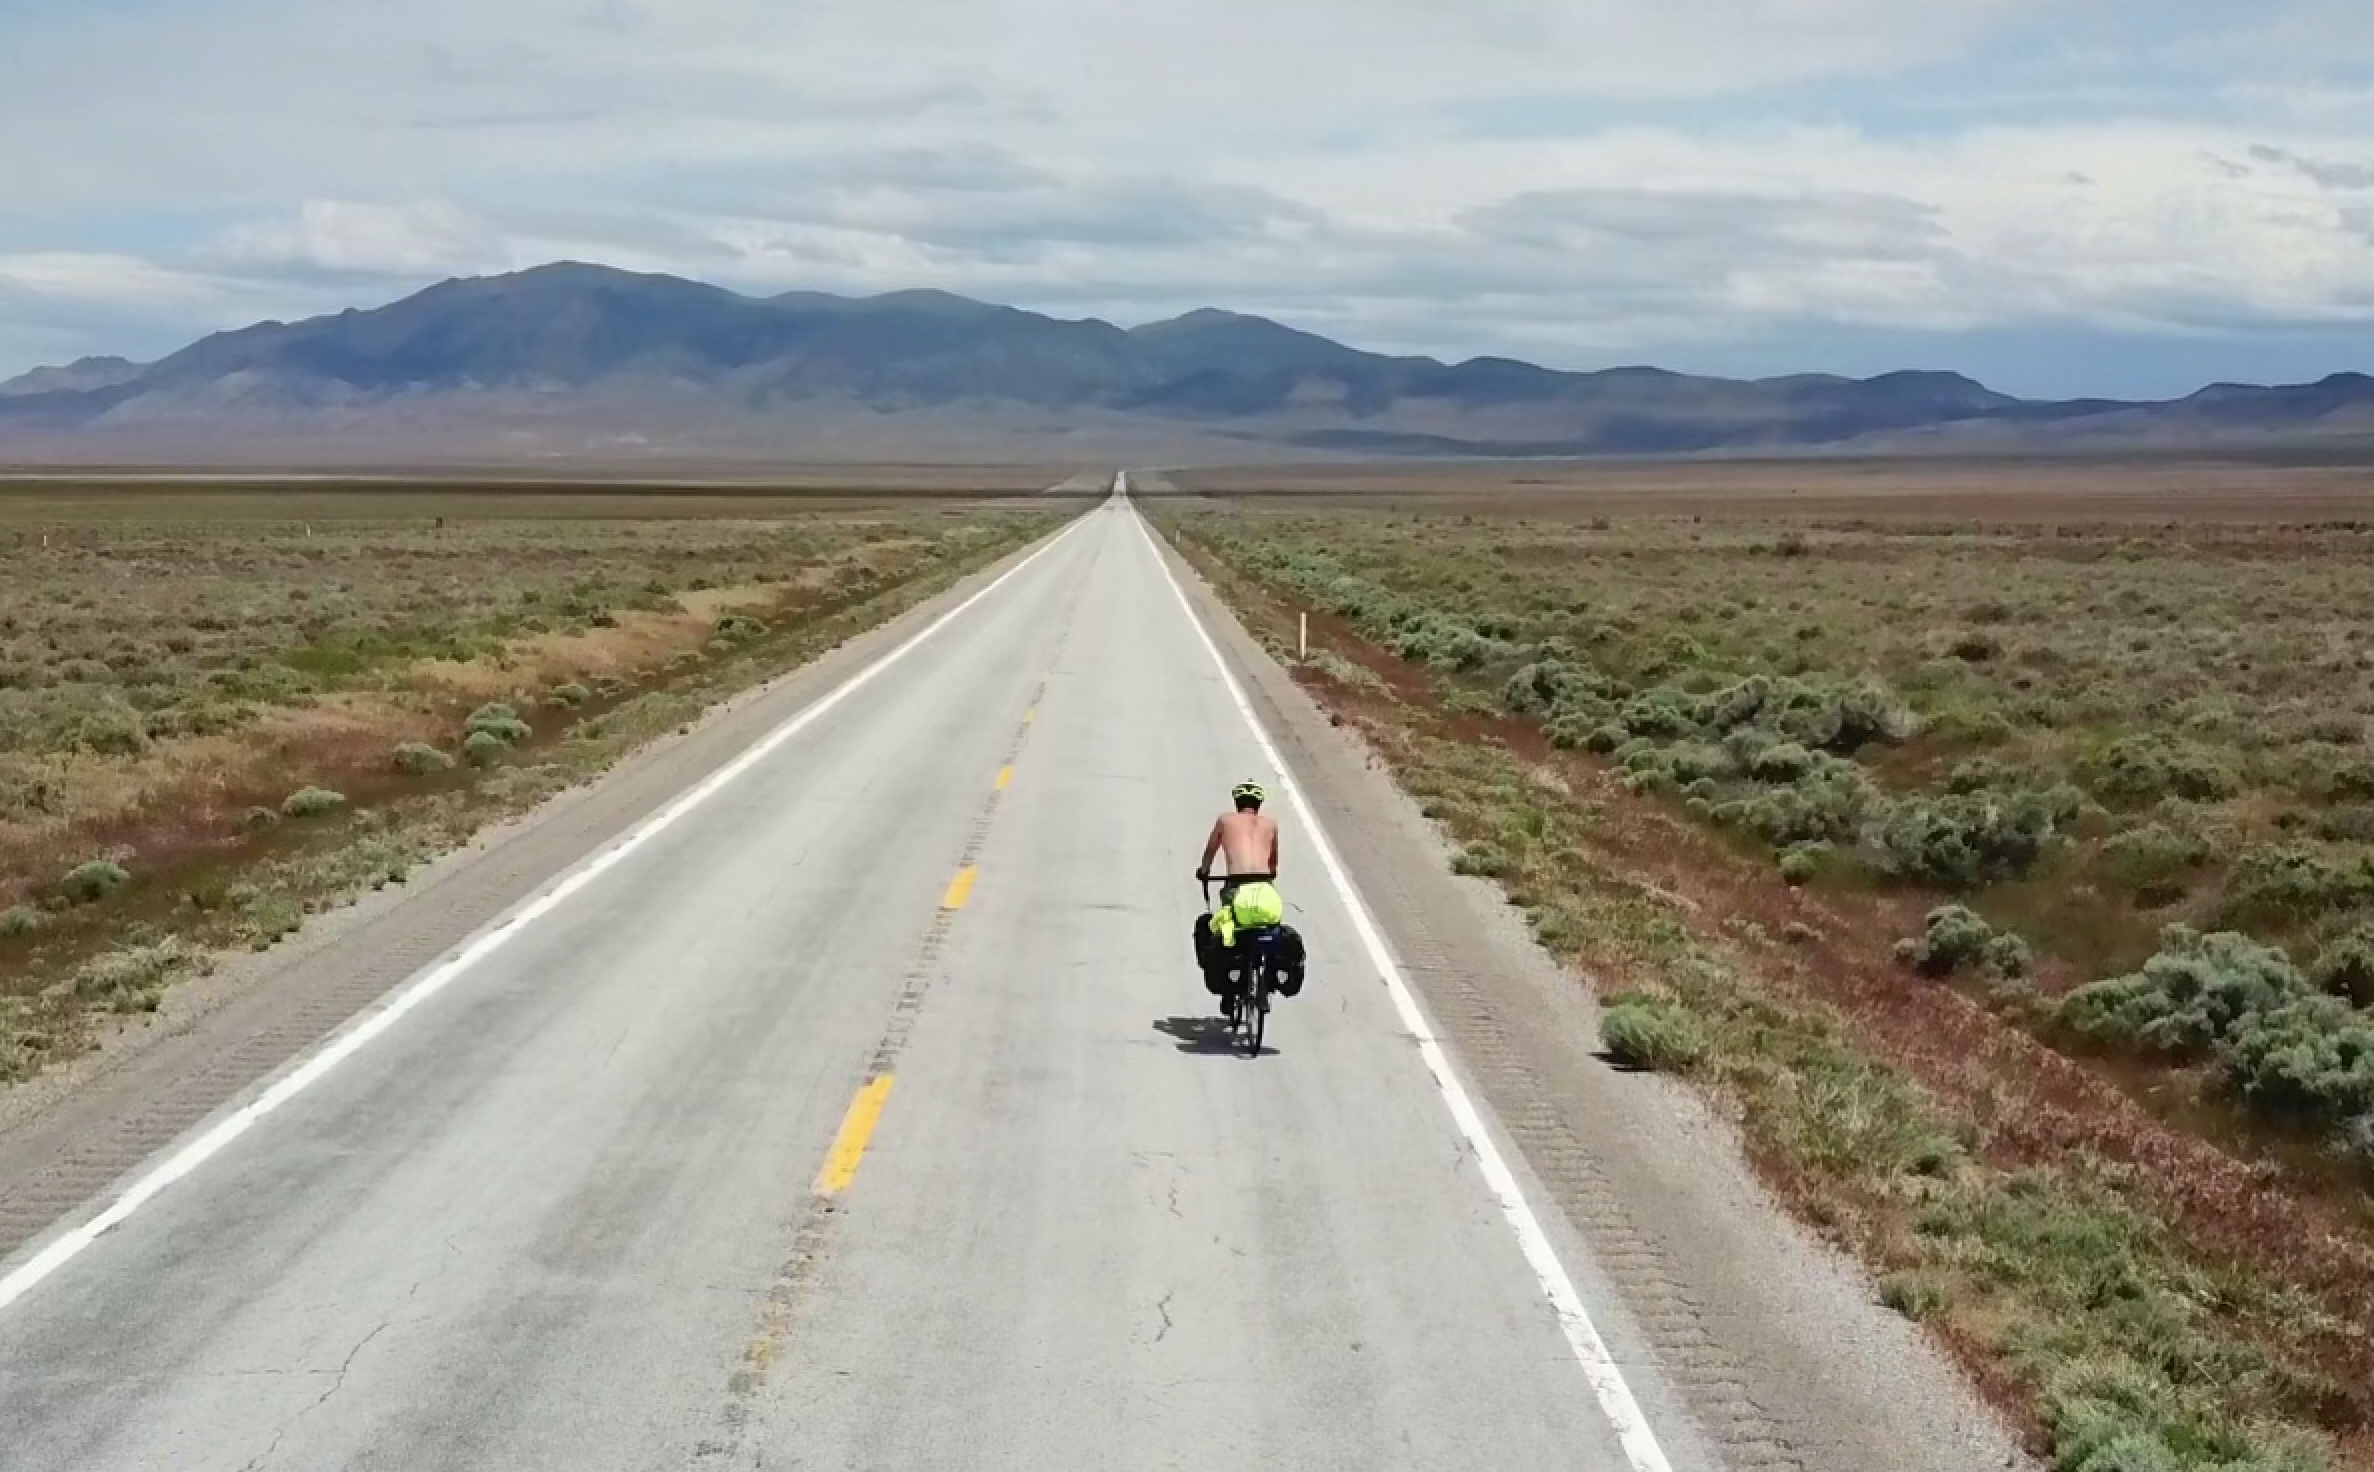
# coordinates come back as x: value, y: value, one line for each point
x: 1250, y: 839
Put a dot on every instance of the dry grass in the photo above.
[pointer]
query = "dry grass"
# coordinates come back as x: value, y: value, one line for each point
x: 1997, y: 490
x: 165, y: 687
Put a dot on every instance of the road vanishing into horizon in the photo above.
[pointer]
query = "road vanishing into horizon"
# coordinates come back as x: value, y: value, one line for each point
x: 866, y: 1112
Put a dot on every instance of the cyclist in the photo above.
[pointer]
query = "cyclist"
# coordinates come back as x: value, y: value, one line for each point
x: 1249, y: 897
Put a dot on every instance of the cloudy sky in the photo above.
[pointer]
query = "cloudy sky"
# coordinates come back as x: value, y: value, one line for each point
x: 2060, y: 196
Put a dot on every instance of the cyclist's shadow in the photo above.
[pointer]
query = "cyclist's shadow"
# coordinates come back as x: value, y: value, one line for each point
x: 1209, y: 1037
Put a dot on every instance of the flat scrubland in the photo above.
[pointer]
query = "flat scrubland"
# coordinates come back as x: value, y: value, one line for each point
x: 1996, y: 842
x: 224, y: 707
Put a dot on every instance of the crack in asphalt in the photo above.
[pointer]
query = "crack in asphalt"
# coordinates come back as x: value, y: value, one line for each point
x: 1164, y: 1308
x: 280, y: 1434
x: 260, y: 1458
x: 351, y: 1355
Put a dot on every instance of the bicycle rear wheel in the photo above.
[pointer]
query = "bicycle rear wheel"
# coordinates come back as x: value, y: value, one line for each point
x: 1257, y: 1011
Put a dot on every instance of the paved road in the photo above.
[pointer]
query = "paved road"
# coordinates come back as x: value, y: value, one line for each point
x: 865, y: 1117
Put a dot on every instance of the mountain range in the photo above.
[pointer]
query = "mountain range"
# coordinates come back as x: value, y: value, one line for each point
x: 573, y: 361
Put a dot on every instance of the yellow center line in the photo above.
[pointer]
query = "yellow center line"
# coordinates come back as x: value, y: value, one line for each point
x: 1004, y: 776
x: 857, y: 1127
x: 1030, y: 715
x: 960, y: 888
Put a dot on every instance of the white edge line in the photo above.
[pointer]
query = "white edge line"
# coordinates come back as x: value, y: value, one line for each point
x: 1616, y: 1400
x: 345, y: 1045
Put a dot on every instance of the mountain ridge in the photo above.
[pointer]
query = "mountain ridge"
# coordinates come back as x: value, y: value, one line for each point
x: 575, y: 355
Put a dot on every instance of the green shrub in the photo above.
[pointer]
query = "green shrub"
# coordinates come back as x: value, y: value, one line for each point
x: 1781, y: 762
x: 739, y: 628
x: 312, y: 802
x: 2008, y: 957
x: 198, y: 716
x: 571, y: 694
x: 2189, y: 996
x: 1842, y: 719
x: 2139, y: 770
x: 27, y: 790
x: 2311, y: 1060
x: 106, y: 726
x: 1979, y: 774
x: 1549, y: 685
x: 419, y: 759
x: 1799, y: 865
x: 2351, y: 779
x: 256, y: 820
x: 89, y: 883
x: 2343, y: 823
x: 1915, y: 1295
x: 1481, y: 861
x: 19, y: 920
x: 132, y: 979
x: 2345, y: 967
x: 481, y: 748
x: 268, y: 917
x: 1830, y: 804
x: 1642, y: 1031
x: 1659, y: 713
x: 500, y: 722
x: 2291, y: 884
x: 2154, y: 861
x: 1961, y: 841
x: 1958, y: 939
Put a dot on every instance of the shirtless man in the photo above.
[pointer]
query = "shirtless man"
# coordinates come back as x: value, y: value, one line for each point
x: 1248, y: 897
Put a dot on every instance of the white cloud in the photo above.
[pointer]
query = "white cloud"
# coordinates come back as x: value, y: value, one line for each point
x: 363, y: 239
x: 2139, y: 169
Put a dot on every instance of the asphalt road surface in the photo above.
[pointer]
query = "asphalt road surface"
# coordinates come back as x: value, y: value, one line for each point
x: 865, y: 1113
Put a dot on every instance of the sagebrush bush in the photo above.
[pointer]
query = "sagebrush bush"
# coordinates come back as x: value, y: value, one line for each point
x: 2351, y: 779
x: 18, y: 921
x: 133, y: 978
x: 1482, y: 861
x: 2343, y: 823
x: 2139, y: 770
x: 570, y: 694
x: 1781, y: 762
x: 419, y: 759
x: 1962, y: 841
x: 2154, y: 861
x: 1549, y: 686
x: 480, y: 748
x: 1957, y: 939
x: 312, y: 802
x: 2189, y: 995
x: 1830, y: 804
x: 2345, y: 967
x: 89, y: 883
x: 2290, y: 884
x: 2310, y: 1060
x: 1643, y: 1031
x: 739, y: 628
x: 104, y: 725
x: 500, y: 722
